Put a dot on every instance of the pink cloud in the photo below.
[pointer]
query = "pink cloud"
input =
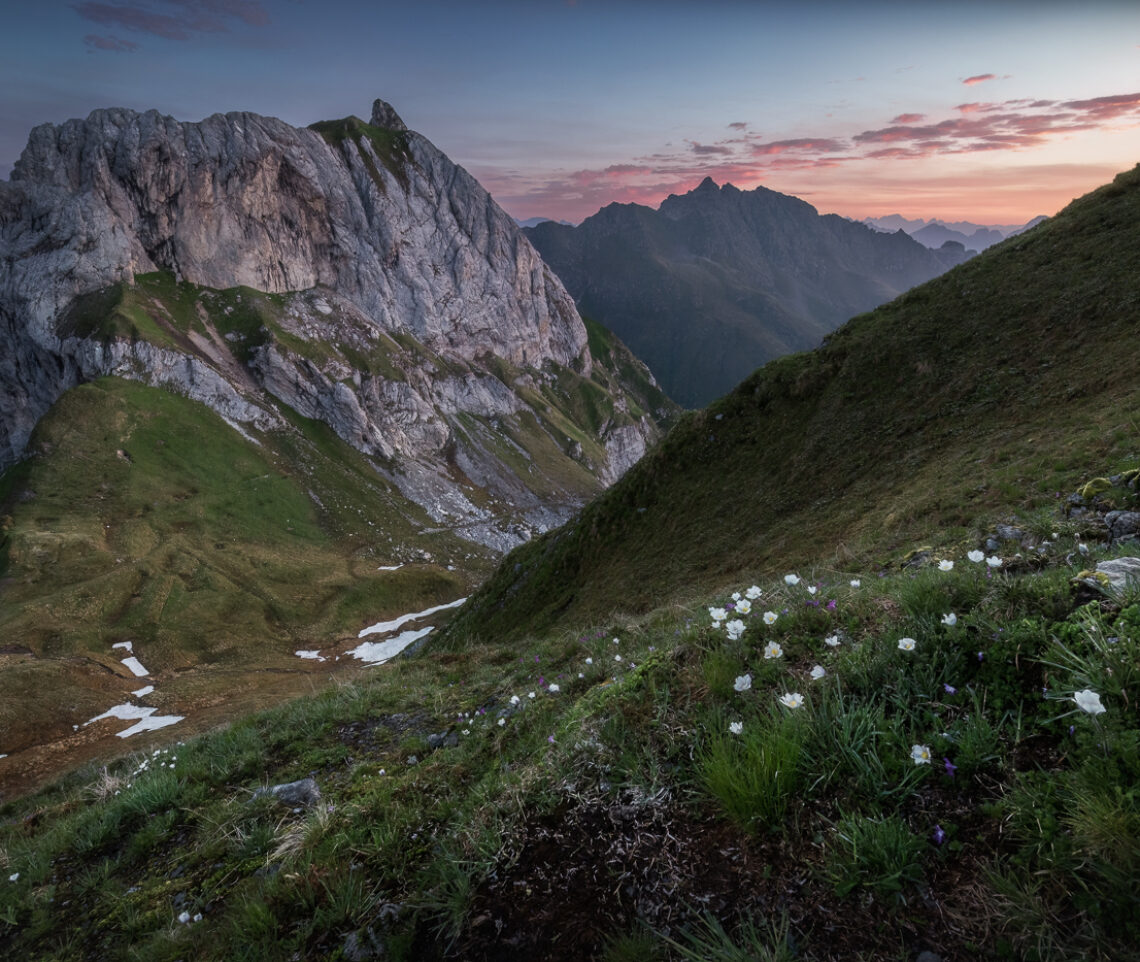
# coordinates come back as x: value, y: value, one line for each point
x: 979, y: 79
x: 908, y: 118
x: 1106, y: 108
x: 738, y: 125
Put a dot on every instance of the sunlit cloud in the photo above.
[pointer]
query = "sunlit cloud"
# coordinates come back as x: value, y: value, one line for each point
x: 979, y: 79
x: 908, y: 118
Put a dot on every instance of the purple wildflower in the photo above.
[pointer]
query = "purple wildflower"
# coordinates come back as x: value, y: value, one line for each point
x: 831, y: 605
x: 981, y: 656
x: 939, y: 836
x: 949, y: 689
x: 950, y: 767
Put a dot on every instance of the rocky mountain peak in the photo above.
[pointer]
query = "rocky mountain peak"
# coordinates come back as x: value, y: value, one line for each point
x: 384, y: 115
x: 369, y: 236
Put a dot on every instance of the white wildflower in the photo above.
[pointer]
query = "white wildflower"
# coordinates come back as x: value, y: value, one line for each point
x: 792, y: 699
x: 907, y: 644
x: 772, y: 650
x: 818, y: 672
x: 994, y: 561
x: 736, y: 727
x: 945, y: 565
x: 1089, y: 701
x: 951, y: 619
x: 831, y: 641
x: 753, y: 593
x: 770, y: 617
x: 976, y: 556
x: 742, y: 683
x: 791, y: 579
x: 920, y: 754
x: 743, y: 607
x: 735, y: 628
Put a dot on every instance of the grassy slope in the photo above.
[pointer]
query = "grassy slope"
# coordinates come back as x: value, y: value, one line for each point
x: 206, y: 551
x: 595, y: 808
x: 210, y: 552
x: 1003, y: 379
x: 813, y: 834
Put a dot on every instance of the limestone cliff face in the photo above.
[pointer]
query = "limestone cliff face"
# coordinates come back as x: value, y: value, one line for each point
x: 378, y: 245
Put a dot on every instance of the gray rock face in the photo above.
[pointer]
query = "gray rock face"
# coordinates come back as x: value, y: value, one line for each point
x: 1122, y: 525
x: 373, y: 232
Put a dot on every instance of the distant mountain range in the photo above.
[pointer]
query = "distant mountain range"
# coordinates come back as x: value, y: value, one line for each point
x: 718, y: 281
x: 535, y: 221
x: 934, y: 233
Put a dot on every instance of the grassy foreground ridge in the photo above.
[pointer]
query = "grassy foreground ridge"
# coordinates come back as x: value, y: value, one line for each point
x: 825, y: 676
x: 835, y: 764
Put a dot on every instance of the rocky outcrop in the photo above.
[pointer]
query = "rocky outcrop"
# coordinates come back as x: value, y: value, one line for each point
x: 377, y: 243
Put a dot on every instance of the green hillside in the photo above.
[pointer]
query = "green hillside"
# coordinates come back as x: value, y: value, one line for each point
x: 714, y: 718
x: 140, y: 517
x: 991, y: 388
x: 143, y: 517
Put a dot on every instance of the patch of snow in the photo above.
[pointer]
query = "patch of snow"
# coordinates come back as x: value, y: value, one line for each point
x: 3, y: 756
x: 385, y: 627
x: 145, y: 719
x: 390, y: 567
x: 124, y: 644
x: 138, y: 693
x: 151, y: 723
x: 311, y: 655
x: 242, y: 431
x: 136, y: 667
x: 377, y: 652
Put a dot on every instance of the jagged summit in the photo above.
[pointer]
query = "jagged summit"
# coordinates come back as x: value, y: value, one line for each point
x: 384, y: 115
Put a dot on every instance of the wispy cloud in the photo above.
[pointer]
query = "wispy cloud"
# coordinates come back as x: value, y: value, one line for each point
x: 908, y: 118
x: 169, y: 19
x: 979, y: 79
x: 707, y: 149
x: 110, y: 43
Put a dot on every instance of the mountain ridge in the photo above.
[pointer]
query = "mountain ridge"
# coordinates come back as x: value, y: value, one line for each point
x: 715, y: 282
x: 385, y: 234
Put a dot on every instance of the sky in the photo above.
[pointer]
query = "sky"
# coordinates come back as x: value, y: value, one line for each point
x: 991, y: 112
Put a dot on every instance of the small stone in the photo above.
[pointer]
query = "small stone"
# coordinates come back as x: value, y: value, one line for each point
x: 301, y: 793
